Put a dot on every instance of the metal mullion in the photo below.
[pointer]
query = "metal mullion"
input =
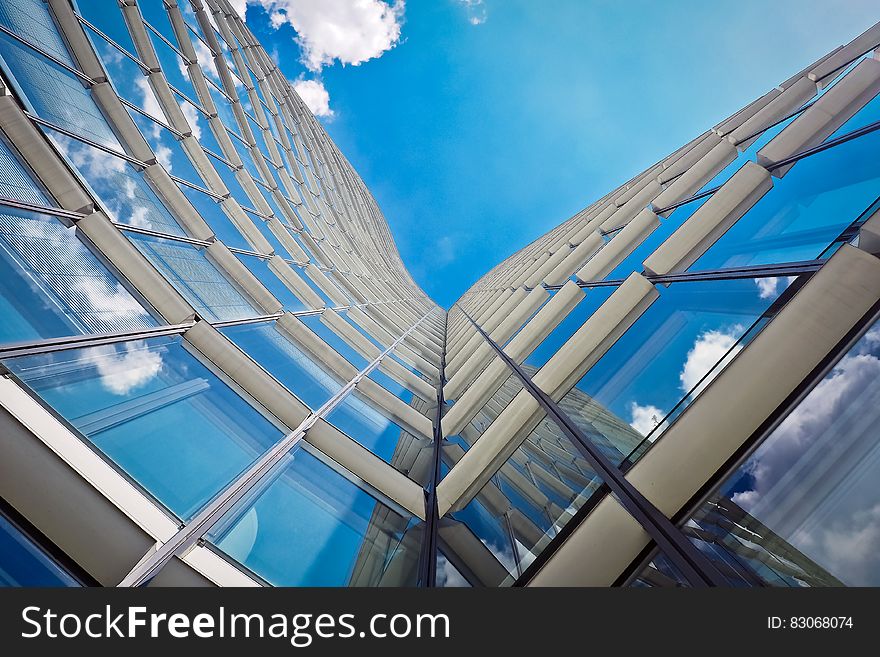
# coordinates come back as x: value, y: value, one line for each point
x: 696, y: 567
x: 725, y: 274
x: 248, y: 320
x: 50, y: 345
x: 192, y: 532
x: 166, y: 41
x: 428, y: 553
x: 42, y: 209
x: 161, y: 235
x: 67, y: 67
x: 262, y: 256
x: 67, y: 133
x: 849, y: 136
x: 113, y: 43
x: 191, y: 185
x: 177, y: 134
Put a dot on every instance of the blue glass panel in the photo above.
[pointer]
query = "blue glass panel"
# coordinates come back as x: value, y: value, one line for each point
x: 31, y: 20
x: 366, y: 424
x: 16, y: 181
x: 121, y: 189
x: 259, y: 267
x: 329, y: 336
x: 802, y: 510
x: 197, y: 279
x: 24, y: 563
x: 572, y: 322
x: 107, y: 19
x: 51, y: 285
x: 221, y: 225
x: 157, y: 412
x: 54, y: 93
x: 804, y: 211
x: 666, y: 358
x: 307, y: 525
x: 634, y: 261
x: 275, y: 352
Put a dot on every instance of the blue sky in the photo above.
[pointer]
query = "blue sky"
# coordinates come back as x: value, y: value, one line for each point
x: 478, y: 126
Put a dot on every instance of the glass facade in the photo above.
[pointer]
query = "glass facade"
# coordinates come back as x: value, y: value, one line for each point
x: 162, y: 357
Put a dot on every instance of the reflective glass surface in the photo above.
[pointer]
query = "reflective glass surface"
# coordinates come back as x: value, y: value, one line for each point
x: 666, y: 358
x: 805, y: 210
x: 24, y: 563
x: 802, y: 510
x: 368, y: 425
x: 274, y: 351
x: 308, y: 525
x: 51, y: 285
x: 156, y: 412
x: 198, y: 280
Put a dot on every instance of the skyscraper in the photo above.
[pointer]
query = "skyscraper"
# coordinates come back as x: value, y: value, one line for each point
x: 218, y: 371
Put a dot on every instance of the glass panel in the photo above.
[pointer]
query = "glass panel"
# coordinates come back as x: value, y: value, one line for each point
x: 485, y: 416
x: 16, y: 181
x: 531, y: 497
x: 24, y: 563
x: 31, y: 20
x: 664, y: 358
x: 108, y: 20
x: 121, y: 189
x: 269, y: 347
x: 201, y: 283
x: 308, y: 525
x: 802, y: 510
x: 52, y: 286
x: 567, y: 327
x: 155, y: 411
x: 448, y: 575
x: 634, y: 261
x: 54, y: 93
x: 329, y: 336
x: 259, y: 267
x: 368, y: 425
x: 804, y: 211
x: 660, y: 573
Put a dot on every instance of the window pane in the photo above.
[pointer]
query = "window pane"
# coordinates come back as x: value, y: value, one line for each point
x: 368, y: 425
x: 804, y: 211
x: 307, y: 525
x: 24, y: 563
x: 530, y: 498
x: 269, y: 347
x: 55, y: 94
x: 197, y: 279
x: 665, y: 358
x: 155, y: 411
x: 121, y: 189
x: 802, y: 510
x: 52, y: 286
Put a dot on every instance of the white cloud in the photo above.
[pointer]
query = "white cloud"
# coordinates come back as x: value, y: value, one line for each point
x: 646, y: 418
x: 150, y: 104
x: 124, y: 367
x: 768, y: 287
x: 709, y: 348
x: 192, y: 117
x: 314, y: 95
x: 348, y: 31
x: 447, y: 575
x: 843, y: 532
x: 476, y: 11
x: 444, y: 251
x: 163, y: 156
x: 240, y: 7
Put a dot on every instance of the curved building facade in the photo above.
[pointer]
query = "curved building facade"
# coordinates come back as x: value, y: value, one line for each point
x: 218, y: 371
